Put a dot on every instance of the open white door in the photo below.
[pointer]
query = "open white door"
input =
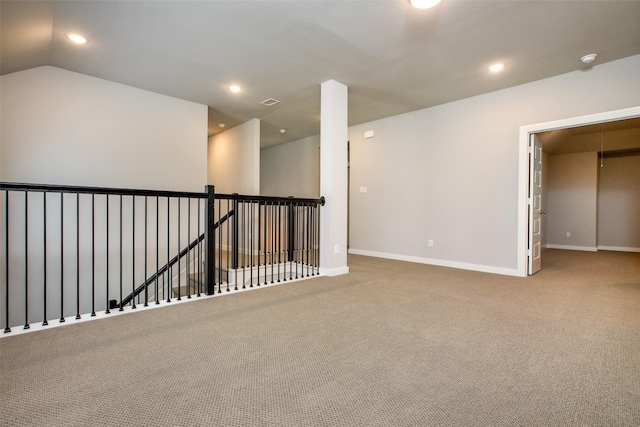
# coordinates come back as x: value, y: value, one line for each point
x: 534, y: 255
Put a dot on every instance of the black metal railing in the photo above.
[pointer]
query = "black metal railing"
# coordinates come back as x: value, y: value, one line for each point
x: 74, y: 251
x: 271, y: 239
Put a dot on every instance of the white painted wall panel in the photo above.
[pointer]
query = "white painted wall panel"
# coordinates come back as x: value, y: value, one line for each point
x: 60, y: 127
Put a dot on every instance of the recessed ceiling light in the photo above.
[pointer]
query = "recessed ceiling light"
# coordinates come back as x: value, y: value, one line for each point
x: 588, y: 59
x: 499, y: 66
x: 76, y: 38
x: 234, y: 88
x: 423, y: 4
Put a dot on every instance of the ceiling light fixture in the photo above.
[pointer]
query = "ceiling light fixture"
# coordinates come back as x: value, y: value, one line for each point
x: 423, y: 4
x: 499, y: 66
x: 76, y: 38
x: 234, y: 88
x: 588, y: 59
x: 282, y: 131
x: 221, y: 125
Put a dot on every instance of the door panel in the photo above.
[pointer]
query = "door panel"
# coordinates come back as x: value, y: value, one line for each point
x: 534, y: 256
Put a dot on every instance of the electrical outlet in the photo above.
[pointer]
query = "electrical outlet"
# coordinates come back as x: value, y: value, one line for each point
x: 430, y: 243
x: 336, y: 249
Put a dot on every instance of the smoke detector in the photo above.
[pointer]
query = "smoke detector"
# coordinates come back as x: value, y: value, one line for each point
x: 588, y: 59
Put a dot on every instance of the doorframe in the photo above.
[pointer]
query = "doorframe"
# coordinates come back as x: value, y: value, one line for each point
x: 523, y: 169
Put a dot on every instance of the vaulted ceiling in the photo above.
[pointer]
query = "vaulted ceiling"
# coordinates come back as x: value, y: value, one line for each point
x: 393, y: 57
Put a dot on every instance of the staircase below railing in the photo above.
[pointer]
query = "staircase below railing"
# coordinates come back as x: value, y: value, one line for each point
x: 74, y: 251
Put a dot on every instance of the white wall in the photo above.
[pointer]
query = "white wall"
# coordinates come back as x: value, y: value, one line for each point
x: 450, y: 173
x: 572, y: 191
x: 619, y: 204
x: 291, y: 169
x: 60, y: 127
x: 234, y: 160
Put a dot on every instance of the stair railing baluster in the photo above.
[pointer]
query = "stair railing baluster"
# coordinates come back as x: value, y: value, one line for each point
x: 199, y: 257
x: 107, y: 311
x: 179, y: 243
x: 93, y: 255
x: 157, y: 247
x: 146, y: 242
x: 44, y: 259
x: 26, y: 260
x: 7, y: 329
x: 121, y: 308
x: 61, y: 257
x: 168, y: 249
x: 278, y: 208
x: 133, y: 251
x: 77, y: 256
x: 245, y: 245
x: 188, y: 268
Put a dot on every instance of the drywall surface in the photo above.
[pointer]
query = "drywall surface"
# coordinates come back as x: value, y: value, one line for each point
x: 572, y: 191
x: 619, y: 204
x: 61, y: 127
x: 234, y: 159
x: 449, y: 173
x: 291, y: 169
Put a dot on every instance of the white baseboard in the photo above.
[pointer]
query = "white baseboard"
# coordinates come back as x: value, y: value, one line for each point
x: 573, y: 248
x: 439, y: 262
x: 618, y: 249
x: 334, y: 271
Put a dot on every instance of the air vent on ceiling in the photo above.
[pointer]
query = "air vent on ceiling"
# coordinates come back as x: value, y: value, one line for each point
x: 269, y: 102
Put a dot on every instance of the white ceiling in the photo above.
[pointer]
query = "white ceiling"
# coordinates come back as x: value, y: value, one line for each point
x: 394, y: 58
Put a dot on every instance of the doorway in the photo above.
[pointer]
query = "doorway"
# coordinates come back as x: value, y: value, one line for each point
x: 524, y: 243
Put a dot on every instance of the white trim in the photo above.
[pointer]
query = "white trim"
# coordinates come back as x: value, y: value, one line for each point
x: 334, y: 271
x: 523, y: 178
x: 573, y: 248
x: 618, y: 248
x: 438, y: 262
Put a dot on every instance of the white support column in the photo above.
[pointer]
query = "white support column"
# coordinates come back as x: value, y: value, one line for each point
x: 333, y: 178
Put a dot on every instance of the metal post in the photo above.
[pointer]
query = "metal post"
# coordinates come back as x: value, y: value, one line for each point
x: 210, y: 241
x: 234, y: 237
x: 292, y: 230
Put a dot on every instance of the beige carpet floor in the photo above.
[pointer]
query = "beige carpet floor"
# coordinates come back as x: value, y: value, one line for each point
x: 390, y: 344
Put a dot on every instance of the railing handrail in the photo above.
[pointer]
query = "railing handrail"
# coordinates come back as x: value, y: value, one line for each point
x: 171, y: 263
x: 255, y: 199
x: 54, y: 188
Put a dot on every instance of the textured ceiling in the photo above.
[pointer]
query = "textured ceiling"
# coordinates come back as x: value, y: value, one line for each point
x: 394, y: 58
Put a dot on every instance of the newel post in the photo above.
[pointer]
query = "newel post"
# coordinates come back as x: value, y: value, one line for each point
x: 235, y: 247
x: 291, y: 218
x: 210, y: 241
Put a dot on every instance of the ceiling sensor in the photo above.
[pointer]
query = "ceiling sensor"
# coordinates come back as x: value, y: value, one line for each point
x: 282, y: 130
x: 588, y: 59
x: 269, y: 102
